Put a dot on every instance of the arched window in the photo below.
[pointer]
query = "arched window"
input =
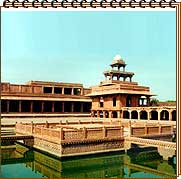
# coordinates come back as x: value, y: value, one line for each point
x: 134, y: 115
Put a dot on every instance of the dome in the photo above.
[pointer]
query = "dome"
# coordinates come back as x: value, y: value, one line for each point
x: 117, y: 57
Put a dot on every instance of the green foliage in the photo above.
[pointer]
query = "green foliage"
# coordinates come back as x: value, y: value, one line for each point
x: 154, y: 102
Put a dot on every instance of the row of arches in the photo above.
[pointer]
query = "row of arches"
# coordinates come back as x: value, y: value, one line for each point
x: 154, y: 115
x: 144, y: 115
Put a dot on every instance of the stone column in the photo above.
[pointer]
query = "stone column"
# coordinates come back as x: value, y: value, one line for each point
x: 110, y: 114
x: 170, y: 115
x: 130, y: 79
x: 42, y: 106
x: 72, y: 106
x: 62, y: 90
x: 72, y: 92
x: 139, y: 115
x: 81, y: 107
x: 119, y: 114
x: 8, y: 106
x: 31, y: 106
x: 159, y: 114
x: 62, y: 106
x: 98, y: 114
x: 149, y: 115
x: 81, y: 91
x: 104, y: 114
x: 53, y: 90
x: 19, y: 106
x: 53, y: 106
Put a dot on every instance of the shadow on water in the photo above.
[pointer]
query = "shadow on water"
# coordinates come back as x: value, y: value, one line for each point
x: 137, y: 163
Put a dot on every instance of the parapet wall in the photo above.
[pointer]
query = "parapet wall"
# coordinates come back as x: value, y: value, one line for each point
x: 67, y: 141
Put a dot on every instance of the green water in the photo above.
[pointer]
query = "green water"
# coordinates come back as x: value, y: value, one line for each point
x: 19, y: 162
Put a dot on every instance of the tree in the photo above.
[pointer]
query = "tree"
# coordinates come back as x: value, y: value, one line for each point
x: 154, y: 102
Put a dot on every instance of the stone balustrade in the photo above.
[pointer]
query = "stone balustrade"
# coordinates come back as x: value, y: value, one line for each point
x: 65, y: 134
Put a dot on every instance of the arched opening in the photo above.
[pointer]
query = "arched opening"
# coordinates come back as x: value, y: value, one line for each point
x: 143, y: 115
x: 114, y: 114
x: 164, y: 115
x: 174, y: 115
x: 101, y: 114
x: 128, y: 101
x: 125, y: 115
x: 134, y: 115
x: 106, y: 114
x: 115, y: 78
x: 154, y: 115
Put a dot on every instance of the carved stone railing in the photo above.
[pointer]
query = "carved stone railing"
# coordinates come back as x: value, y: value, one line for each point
x: 151, y: 142
x: 69, y: 134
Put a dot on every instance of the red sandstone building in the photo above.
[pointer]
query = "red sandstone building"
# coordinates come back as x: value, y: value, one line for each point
x: 116, y: 97
x: 119, y: 97
x: 44, y: 97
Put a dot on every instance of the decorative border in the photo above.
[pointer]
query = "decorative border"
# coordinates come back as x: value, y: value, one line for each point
x: 91, y: 4
x: 118, y: 4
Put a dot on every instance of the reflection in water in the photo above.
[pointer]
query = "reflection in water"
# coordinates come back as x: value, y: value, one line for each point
x: 18, y: 162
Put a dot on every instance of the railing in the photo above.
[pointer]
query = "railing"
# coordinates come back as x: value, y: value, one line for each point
x: 64, y: 134
x: 151, y: 142
x: 151, y: 130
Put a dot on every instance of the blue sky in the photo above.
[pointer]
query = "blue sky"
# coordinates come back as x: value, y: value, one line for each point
x: 79, y: 46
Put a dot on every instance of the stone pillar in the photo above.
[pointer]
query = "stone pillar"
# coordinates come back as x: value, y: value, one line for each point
x: 139, y: 115
x: 62, y: 90
x: 119, y: 114
x: 81, y: 91
x: 170, y: 115
x: 159, y: 115
x: 62, y: 106
x: 31, y: 106
x: 8, y: 106
x: 53, y: 90
x: 42, y: 106
x: 53, y: 106
x: 98, y: 114
x: 19, y: 106
x: 104, y: 114
x: 81, y: 107
x: 130, y: 79
x: 72, y: 106
x: 149, y: 115
x: 110, y: 114
x: 72, y: 92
